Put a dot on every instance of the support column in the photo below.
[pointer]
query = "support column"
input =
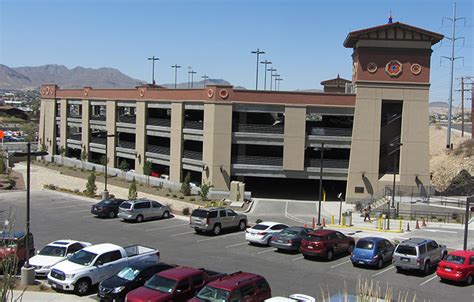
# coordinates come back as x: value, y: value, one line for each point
x: 140, y: 136
x: 47, y: 127
x: 63, y: 123
x: 111, y: 117
x: 176, y: 141
x: 295, y: 138
x: 85, y: 127
x: 217, y: 144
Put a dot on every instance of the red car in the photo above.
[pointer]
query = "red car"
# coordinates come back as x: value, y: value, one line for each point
x: 176, y: 284
x: 457, y: 266
x: 326, y: 243
x: 15, y: 243
x: 239, y: 286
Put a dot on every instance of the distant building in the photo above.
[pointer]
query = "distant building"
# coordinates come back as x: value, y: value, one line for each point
x: 337, y: 85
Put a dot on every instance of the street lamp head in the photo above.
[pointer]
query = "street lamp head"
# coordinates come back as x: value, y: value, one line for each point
x: 153, y: 59
x: 266, y: 62
x: 258, y: 51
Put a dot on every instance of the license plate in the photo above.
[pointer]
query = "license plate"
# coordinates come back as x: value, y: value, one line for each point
x: 280, y: 240
x: 54, y: 285
x: 361, y: 262
x: 448, y: 269
x: 405, y: 259
x: 310, y: 247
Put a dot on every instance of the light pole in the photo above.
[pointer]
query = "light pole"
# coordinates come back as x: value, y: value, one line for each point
x: 271, y: 76
x: 320, y: 182
x: 153, y: 59
x: 105, y: 194
x: 192, y: 72
x: 397, y: 144
x: 175, y: 66
x: 278, y: 79
x: 205, y: 77
x: 265, y: 81
x: 258, y: 52
x: 27, y: 272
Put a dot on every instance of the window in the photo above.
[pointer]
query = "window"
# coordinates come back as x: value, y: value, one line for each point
x: 231, y: 213
x: 332, y: 236
x: 340, y: 235
x: 197, y: 280
x: 248, y: 290
x: 380, y: 245
x: 262, y: 285
x: 388, y: 244
x: 278, y: 227
x: 213, y: 214
x: 183, y: 285
x: 471, y: 260
x: 222, y: 213
x: 422, y: 249
x: 142, y: 205
x: 156, y: 204
x: 108, y: 257
x: 432, y: 246
x: 236, y: 296
x: 74, y: 248
x: 118, y: 202
x: 406, y: 250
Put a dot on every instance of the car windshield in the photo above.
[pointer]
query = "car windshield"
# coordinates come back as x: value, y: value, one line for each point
x: 126, y: 206
x: 260, y: 227
x: 128, y: 273
x: 83, y: 258
x: 289, y: 233
x: 365, y: 245
x: 105, y: 202
x: 213, y: 294
x: 314, y: 238
x: 161, y: 284
x: 200, y: 213
x: 55, y: 251
x: 455, y: 259
x: 407, y: 250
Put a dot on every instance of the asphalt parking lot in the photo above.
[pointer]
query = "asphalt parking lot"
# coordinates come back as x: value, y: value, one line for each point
x: 60, y: 216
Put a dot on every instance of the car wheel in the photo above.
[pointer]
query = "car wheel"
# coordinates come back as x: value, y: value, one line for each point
x: 444, y: 256
x: 242, y: 225
x: 165, y: 215
x: 469, y: 280
x: 350, y: 249
x: 139, y: 218
x: 305, y: 256
x: 82, y: 287
x: 329, y: 255
x: 112, y: 214
x: 269, y: 241
x: 216, y: 230
x: 399, y: 269
x: 197, y: 231
x: 380, y: 263
x: 426, y: 268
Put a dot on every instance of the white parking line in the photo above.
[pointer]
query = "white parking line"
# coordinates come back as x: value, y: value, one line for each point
x: 266, y: 251
x: 166, y: 227
x: 430, y: 279
x: 381, y: 272
x: 339, y: 264
x: 218, y: 237
x: 237, y: 244
x: 179, y: 234
x: 297, y: 258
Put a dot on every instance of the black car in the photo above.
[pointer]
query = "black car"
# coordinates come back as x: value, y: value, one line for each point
x: 290, y: 239
x: 107, y: 208
x: 116, y: 287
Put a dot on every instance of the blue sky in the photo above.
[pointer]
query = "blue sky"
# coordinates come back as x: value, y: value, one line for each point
x: 303, y: 38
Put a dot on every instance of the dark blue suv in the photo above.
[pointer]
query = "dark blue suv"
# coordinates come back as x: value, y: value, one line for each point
x: 372, y: 251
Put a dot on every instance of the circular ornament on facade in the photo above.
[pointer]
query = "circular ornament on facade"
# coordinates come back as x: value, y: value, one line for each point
x: 141, y: 92
x: 415, y: 68
x: 372, y: 67
x: 394, y: 68
x: 86, y: 92
x: 224, y: 94
x: 43, y: 91
x: 210, y: 93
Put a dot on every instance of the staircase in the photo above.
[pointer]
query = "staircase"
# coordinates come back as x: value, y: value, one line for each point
x: 382, y: 201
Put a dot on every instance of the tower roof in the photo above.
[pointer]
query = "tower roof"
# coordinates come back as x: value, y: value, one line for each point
x: 392, y: 31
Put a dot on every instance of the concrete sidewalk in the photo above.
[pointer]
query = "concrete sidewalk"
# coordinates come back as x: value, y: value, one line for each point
x: 33, y: 296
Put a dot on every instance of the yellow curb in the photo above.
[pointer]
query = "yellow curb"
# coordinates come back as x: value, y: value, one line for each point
x: 365, y: 229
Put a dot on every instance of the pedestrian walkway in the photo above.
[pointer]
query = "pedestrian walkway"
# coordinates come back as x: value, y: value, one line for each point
x: 35, y: 296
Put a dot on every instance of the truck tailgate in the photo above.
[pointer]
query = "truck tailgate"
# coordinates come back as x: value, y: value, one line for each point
x: 142, y: 253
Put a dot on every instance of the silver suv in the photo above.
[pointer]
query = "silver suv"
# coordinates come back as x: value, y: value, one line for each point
x: 418, y: 254
x: 142, y: 209
x: 216, y: 219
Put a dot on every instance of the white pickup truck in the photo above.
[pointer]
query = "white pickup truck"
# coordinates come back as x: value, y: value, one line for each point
x: 95, y: 263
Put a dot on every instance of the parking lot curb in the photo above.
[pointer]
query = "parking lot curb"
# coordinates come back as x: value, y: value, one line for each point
x: 364, y: 229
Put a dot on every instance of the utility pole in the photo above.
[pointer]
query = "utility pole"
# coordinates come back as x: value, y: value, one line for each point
x: 192, y: 72
x: 278, y: 79
x: 258, y: 52
x: 205, y: 77
x: 175, y: 66
x: 153, y: 59
x: 276, y: 76
x: 271, y: 76
x: 462, y: 90
x: 453, y: 39
x: 265, y: 81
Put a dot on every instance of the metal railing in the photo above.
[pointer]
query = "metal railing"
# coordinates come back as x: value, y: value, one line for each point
x: 126, y: 145
x: 193, y: 125
x: 328, y: 131
x: 192, y: 155
x: 258, y: 128
x: 327, y: 163
x: 98, y: 117
x: 98, y: 140
x: 129, y: 119
x: 159, y: 122
x: 433, y: 216
x: 257, y: 160
x: 425, y: 194
x: 158, y: 149
x: 76, y: 137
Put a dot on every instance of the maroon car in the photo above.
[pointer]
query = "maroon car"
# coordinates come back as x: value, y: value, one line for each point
x: 15, y: 243
x: 326, y: 243
x: 176, y: 284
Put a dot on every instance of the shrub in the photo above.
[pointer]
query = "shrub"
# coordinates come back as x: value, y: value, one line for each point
x: 186, y: 186
x: 181, y: 197
x: 167, y: 195
x: 258, y: 221
x: 192, y: 199
x: 76, y: 191
x: 438, y: 126
x: 91, y: 187
x: 50, y: 187
x: 132, y: 190
x: 205, y: 188
x: 174, y: 195
x: 186, y: 211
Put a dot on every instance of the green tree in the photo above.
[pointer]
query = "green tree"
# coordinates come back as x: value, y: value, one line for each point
x: 29, y: 130
x: 124, y: 166
x: 147, y: 168
x: 205, y: 188
x: 132, y: 190
x: 91, y: 187
x: 186, y: 186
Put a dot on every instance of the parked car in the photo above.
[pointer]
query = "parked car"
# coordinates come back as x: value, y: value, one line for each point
x: 290, y: 239
x: 176, y: 284
x: 216, y: 219
x: 143, y: 209
x: 239, y: 286
x: 107, y: 208
x: 457, y: 266
x: 326, y: 243
x: 15, y: 243
x: 54, y: 253
x: 418, y: 254
x: 263, y: 232
x: 95, y: 263
x: 116, y: 287
x: 292, y: 298
x: 373, y: 251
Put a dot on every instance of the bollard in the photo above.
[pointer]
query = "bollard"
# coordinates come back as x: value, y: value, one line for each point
x: 343, y: 220
x: 350, y: 220
x: 423, y: 223
x: 324, y: 222
x: 408, y: 226
x: 379, y: 223
x: 417, y: 225
x: 314, y: 224
x: 400, y: 225
x: 332, y: 219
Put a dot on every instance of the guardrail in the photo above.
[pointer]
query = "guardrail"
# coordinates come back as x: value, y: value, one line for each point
x: 258, y: 128
x: 18, y: 146
x: 192, y: 155
x: 327, y: 163
x: 126, y: 145
x: 158, y: 149
x: 257, y: 160
x: 193, y: 125
x: 328, y: 131
x: 98, y: 140
x: 159, y: 122
x: 129, y: 119
x: 433, y: 216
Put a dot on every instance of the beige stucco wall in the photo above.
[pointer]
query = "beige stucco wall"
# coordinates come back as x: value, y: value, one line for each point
x: 176, y: 141
x: 85, y: 126
x: 140, y: 136
x: 295, y: 138
x: 63, y: 123
x: 217, y: 144
x: 110, y: 126
x: 47, y: 125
